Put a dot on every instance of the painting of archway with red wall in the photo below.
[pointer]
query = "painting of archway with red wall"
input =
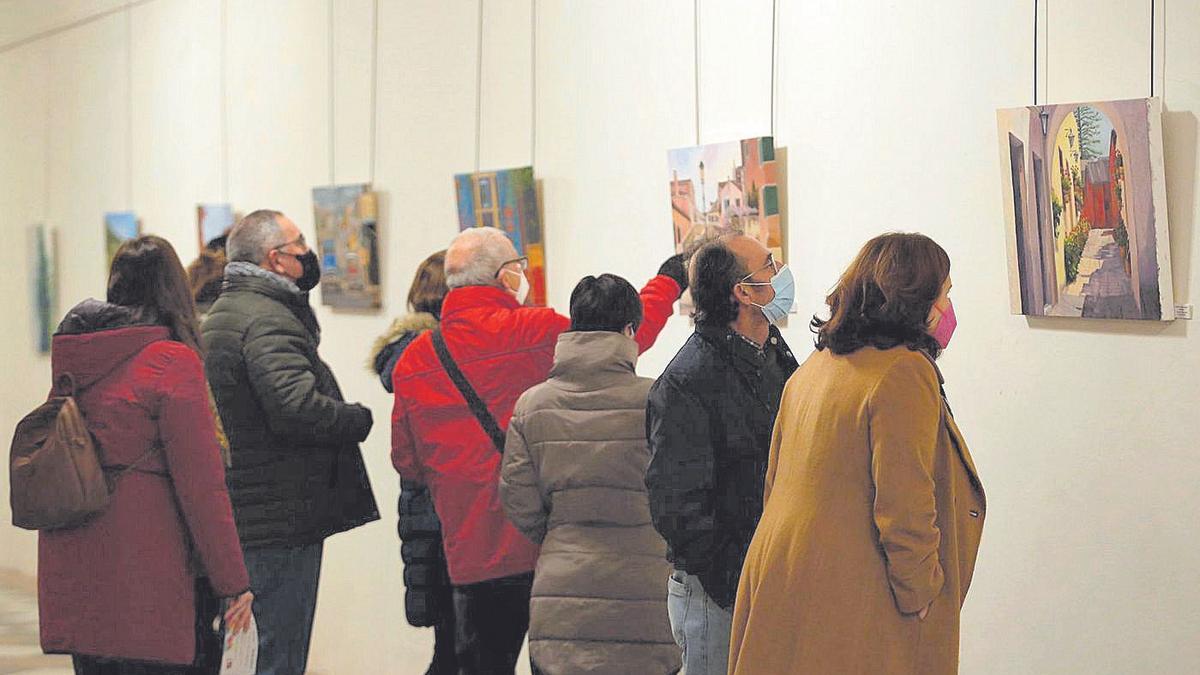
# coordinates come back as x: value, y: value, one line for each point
x: 1085, y: 210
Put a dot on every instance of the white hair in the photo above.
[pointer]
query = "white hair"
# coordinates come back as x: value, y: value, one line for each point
x: 475, y: 256
x: 254, y: 237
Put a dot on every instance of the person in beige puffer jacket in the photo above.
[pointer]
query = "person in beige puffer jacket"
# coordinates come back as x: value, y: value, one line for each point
x: 573, y: 481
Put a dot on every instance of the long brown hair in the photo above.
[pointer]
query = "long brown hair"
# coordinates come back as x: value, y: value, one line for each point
x: 429, y: 285
x: 146, y: 275
x: 884, y: 297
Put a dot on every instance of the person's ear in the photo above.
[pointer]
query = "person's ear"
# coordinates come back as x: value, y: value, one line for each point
x: 505, y: 281
x: 741, y: 294
x: 629, y: 330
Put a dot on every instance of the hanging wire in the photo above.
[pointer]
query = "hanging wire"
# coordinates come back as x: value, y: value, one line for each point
x: 332, y: 137
x: 1036, y: 14
x: 224, y: 114
x: 374, y: 91
x: 774, y: 57
x: 1152, y: 48
x: 532, y: 82
x: 479, y: 87
x: 696, y: 45
x: 129, y: 107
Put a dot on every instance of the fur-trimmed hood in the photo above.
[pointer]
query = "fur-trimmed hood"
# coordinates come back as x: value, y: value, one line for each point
x: 409, y: 323
x: 388, y: 348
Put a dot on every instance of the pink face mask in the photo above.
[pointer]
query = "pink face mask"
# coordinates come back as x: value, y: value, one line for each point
x: 945, y: 327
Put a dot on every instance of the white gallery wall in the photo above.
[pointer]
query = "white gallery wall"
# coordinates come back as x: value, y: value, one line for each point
x: 1084, y: 431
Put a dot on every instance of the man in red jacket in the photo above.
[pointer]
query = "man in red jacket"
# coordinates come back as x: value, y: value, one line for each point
x: 501, y: 349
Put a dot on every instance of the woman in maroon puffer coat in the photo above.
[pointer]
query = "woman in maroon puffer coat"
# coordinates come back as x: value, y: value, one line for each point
x: 118, y: 593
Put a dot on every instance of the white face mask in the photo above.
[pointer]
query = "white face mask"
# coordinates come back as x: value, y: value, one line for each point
x: 522, y: 292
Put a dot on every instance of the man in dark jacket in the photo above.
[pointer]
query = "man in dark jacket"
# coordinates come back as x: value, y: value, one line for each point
x: 297, y: 475
x: 502, y: 349
x: 709, y: 419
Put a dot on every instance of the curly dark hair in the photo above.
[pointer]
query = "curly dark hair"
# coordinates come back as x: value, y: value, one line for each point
x: 715, y: 271
x: 605, y: 303
x: 884, y: 297
x: 206, y: 274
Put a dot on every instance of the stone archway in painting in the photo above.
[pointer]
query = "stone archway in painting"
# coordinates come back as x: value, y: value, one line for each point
x: 1088, y: 145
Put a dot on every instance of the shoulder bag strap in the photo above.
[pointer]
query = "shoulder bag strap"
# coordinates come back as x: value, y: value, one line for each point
x: 476, y: 404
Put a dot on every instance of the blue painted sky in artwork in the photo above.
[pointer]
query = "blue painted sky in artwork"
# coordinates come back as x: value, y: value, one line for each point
x: 123, y: 224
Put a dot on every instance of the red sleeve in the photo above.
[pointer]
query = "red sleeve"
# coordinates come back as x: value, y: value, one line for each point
x: 404, y: 448
x: 658, y: 302
x: 404, y: 457
x: 189, y: 439
x: 539, y: 326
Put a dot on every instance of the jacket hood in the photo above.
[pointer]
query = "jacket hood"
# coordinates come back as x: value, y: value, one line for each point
x: 96, y: 337
x: 588, y: 360
x: 416, y: 322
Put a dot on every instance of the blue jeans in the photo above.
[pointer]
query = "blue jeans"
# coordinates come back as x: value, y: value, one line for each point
x: 701, y: 627
x: 284, y: 581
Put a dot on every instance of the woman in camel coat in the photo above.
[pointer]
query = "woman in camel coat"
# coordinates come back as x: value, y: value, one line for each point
x: 873, y: 508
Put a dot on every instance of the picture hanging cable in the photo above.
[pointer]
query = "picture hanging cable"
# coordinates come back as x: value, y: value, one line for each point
x: 1152, y: 48
x: 129, y: 107
x: 532, y: 82
x: 374, y: 92
x: 332, y: 136
x: 224, y: 114
x: 479, y: 87
x: 1035, y: 51
x: 774, y: 57
x: 696, y: 46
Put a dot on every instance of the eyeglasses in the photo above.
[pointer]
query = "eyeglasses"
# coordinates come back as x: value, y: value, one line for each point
x: 523, y: 262
x: 297, y: 240
x: 770, y: 263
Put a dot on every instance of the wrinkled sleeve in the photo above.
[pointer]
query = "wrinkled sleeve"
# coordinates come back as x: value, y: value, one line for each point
x: 189, y: 441
x: 680, y: 475
x: 520, y: 489
x: 904, y: 417
x: 286, y: 386
x: 404, y: 457
x: 658, y: 302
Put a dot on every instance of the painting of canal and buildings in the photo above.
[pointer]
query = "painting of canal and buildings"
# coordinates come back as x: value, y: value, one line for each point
x: 726, y: 188
x: 346, y: 217
x: 1085, y: 210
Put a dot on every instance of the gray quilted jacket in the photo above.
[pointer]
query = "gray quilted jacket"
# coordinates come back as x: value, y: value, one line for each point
x: 573, y: 481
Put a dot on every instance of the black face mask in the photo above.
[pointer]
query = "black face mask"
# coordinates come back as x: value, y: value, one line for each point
x: 312, y: 271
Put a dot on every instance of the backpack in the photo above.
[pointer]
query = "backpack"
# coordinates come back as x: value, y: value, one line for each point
x: 56, y: 476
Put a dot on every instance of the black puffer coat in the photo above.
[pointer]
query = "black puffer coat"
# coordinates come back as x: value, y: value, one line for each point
x: 426, y: 581
x: 298, y: 474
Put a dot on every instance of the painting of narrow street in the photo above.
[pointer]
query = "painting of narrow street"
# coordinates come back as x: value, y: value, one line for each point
x: 1085, y: 210
x: 347, y: 223
x: 725, y: 188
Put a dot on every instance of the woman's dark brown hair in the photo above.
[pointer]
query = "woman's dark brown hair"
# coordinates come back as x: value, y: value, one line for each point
x: 884, y: 298
x: 146, y: 275
x: 429, y: 286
